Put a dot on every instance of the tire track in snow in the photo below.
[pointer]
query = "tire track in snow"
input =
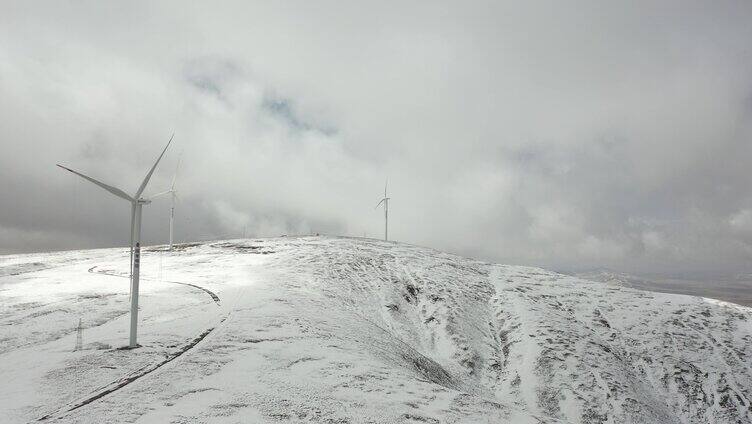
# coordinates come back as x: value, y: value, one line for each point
x: 113, y: 274
x: 123, y: 382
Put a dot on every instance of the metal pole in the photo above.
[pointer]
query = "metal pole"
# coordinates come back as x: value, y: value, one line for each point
x: 386, y: 219
x: 133, y: 227
x: 136, y: 266
x: 172, y: 216
x: 79, y: 336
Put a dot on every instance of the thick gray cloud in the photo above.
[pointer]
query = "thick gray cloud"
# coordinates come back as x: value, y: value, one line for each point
x: 553, y: 134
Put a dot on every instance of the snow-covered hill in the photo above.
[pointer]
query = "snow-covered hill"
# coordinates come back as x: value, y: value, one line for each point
x: 736, y: 288
x: 336, y: 330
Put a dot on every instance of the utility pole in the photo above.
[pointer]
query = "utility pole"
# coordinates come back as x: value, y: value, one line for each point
x: 79, y: 337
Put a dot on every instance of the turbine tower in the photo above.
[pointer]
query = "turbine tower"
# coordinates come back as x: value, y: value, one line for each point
x: 137, y: 203
x: 173, y: 196
x: 385, y: 201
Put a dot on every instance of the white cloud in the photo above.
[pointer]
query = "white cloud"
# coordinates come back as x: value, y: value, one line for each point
x: 741, y: 221
x: 563, y: 136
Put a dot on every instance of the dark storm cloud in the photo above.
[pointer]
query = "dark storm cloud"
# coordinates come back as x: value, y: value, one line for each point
x: 564, y: 135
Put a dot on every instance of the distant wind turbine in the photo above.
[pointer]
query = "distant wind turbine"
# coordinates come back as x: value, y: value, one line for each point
x: 136, y: 204
x: 385, y: 201
x: 173, y: 196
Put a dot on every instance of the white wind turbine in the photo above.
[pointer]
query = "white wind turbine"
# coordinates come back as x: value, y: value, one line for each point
x: 385, y: 201
x: 136, y: 203
x: 173, y: 196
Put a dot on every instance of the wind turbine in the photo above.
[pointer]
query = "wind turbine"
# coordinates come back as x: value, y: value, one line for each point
x: 136, y: 204
x: 173, y: 196
x: 385, y: 201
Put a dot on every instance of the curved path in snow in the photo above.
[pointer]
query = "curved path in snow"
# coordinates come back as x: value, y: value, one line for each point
x: 114, y: 274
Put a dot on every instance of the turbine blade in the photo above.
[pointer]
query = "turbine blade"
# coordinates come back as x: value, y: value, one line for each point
x: 114, y: 190
x: 379, y: 204
x: 175, y: 176
x: 151, y: 171
x: 160, y: 194
x: 386, y: 182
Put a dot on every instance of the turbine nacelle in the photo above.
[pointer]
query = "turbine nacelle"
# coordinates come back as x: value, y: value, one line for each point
x: 384, y: 200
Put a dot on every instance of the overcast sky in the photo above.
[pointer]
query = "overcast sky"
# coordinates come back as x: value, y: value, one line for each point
x: 567, y: 135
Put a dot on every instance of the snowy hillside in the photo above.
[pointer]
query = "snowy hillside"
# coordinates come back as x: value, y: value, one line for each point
x: 736, y: 288
x: 336, y: 330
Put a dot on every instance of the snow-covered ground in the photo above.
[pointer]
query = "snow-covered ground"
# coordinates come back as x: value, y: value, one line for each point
x: 337, y: 330
x: 731, y: 288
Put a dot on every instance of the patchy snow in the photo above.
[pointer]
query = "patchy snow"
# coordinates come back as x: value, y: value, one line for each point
x: 339, y: 330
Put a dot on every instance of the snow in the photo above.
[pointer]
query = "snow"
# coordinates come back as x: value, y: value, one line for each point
x: 341, y: 330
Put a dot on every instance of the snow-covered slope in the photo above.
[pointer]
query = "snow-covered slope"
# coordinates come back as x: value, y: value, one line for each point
x: 337, y: 330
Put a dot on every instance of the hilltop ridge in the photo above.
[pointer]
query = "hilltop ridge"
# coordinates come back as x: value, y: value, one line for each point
x: 318, y: 329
